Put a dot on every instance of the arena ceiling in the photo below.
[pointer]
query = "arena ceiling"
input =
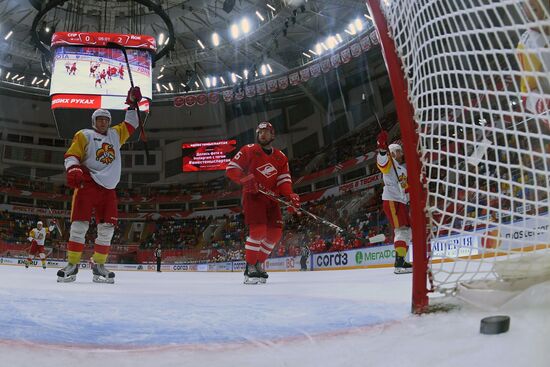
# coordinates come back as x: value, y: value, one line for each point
x: 289, y: 31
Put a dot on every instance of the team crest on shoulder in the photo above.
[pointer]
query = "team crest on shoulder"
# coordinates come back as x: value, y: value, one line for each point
x: 105, y: 154
x: 267, y: 170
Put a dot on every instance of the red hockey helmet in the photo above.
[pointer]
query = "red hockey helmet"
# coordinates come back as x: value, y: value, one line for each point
x: 268, y: 126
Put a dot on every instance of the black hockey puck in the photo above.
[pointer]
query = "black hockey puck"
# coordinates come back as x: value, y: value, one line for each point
x: 494, y: 325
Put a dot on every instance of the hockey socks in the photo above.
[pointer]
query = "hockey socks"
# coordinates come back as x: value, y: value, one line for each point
x: 401, y: 248
x: 100, y: 253
x: 74, y: 252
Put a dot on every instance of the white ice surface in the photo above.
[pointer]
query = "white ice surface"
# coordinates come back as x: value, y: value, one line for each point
x: 330, y: 318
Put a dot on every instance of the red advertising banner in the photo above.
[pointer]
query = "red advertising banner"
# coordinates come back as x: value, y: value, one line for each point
x: 76, y: 101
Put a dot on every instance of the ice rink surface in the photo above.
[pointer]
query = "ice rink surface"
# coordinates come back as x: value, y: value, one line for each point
x: 323, y: 318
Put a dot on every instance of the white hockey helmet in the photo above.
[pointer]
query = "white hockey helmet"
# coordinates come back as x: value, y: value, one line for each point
x: 395, y: 147
x: 100, y: 113
x: 39, y: 223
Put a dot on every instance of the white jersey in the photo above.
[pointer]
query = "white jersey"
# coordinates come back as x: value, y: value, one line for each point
x: 39, y: 235
x: 100, y: 153
x: 394, y: 185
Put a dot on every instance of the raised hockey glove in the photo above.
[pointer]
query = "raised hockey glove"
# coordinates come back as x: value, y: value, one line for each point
x: 295, y: 203
x: 250, y: 186
x: 75, y: 177
x: 382, y: 140
x: 133, y: 97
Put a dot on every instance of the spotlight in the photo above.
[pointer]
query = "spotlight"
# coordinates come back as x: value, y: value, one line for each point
x: 235, y: 31
x: 358, y: 24
x: 259, y: 16
x: 245, y: 25
x: 215, y: 39
x: 318, y: 49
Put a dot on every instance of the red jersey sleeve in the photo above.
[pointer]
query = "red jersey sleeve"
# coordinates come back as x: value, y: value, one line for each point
x: 238, y: 166
x: 284, y: 180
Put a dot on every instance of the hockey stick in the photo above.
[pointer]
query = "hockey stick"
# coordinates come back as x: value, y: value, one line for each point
x: 381, y: 128
x: 142, y: 135
x: 284, y: 202
x: 56, y: 225
x: 373, y: 239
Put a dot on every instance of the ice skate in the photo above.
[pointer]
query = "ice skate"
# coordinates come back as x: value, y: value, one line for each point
x: 67, y: 274
x: 251, y: 276
x: 263, y: 274
x: 401, y: 266
x: 102, y: 275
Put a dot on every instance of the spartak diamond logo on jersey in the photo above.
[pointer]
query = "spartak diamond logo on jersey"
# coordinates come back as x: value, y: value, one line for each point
x: 267, y: 170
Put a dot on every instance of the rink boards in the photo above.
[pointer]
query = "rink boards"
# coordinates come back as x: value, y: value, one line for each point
x: 379, y: 256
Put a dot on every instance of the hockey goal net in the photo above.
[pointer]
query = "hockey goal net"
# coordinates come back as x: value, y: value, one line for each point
x: 471, y: 81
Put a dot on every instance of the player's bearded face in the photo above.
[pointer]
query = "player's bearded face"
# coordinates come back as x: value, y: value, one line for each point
x: 102, y: 124
x: 264, y: 137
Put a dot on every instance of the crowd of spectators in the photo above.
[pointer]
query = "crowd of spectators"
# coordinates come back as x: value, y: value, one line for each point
x: 347, y: 148
x: 178, y: 234
x: 351, y: 147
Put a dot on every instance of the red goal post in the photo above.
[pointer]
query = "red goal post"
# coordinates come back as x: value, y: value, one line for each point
x: 471, y: 83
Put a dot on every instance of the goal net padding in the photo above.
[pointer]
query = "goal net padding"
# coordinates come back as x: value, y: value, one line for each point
x: 471, y: 82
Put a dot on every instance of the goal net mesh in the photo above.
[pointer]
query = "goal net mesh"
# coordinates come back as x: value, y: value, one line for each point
x: 478, y: 75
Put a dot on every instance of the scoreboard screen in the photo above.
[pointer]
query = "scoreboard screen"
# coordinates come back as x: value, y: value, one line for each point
x: 207, y: 156
x: 88, y: 74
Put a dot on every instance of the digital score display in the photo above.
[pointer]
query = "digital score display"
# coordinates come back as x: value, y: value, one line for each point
x: 207, y: 156
x: 87, y: 74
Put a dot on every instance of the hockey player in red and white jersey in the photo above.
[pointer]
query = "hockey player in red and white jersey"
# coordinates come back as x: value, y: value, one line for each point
x: 395, y: 198
x: 37, y: 236
x: 93, y: 164
x: 260, y: 166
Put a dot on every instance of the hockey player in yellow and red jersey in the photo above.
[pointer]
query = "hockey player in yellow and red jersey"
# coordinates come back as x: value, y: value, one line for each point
x: 260, y: 166
x: 93, y: 164
x: 391, y: 162
x: 37, y: 236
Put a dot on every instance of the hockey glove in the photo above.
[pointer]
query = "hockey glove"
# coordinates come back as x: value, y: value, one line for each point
x: 133, y: 97
x: 295, y: 202
x: 382, y: 140
x: 250, y: 186
x: 75, y: 177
